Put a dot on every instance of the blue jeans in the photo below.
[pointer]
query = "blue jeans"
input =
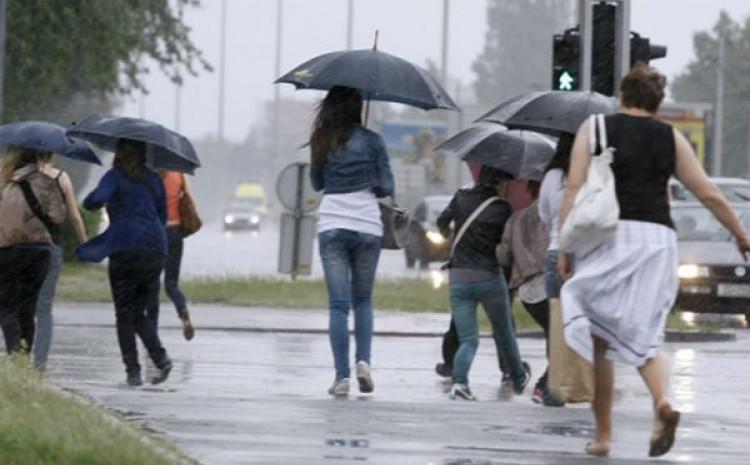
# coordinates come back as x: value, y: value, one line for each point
x: 44, y: 320
x: 493, y: 295
x: 349, y: 262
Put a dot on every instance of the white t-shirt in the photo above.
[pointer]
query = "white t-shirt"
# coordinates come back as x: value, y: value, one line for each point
x: 551, y: 195
x: 355, y: 211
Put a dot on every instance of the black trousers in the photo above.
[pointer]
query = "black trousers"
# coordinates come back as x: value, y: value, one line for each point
x: 134, y: 279
x: 540, y: 313
x: 22, y: 273
x: 172, y: 265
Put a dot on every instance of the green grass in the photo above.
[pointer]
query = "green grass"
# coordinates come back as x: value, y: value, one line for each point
x: 88, y: 283
x: 40, y: 425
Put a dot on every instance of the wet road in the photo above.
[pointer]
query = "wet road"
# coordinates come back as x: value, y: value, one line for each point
x: 215, y: 252
x: 239, y: 397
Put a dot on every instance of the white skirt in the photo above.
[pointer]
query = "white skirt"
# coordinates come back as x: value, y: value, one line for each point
x: 622, y: 292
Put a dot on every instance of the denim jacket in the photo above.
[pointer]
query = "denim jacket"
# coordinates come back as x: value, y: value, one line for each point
x: 362, y: 164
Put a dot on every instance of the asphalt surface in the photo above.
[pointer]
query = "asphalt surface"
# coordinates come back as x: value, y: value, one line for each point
x: 245, y: 397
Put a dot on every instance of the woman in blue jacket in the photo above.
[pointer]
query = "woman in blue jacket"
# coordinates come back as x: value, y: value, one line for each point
x: 350, y: 165
x: 136, y: 245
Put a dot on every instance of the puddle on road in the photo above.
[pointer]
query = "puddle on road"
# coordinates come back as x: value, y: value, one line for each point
x: 347, y: 449
x: 574, y: 429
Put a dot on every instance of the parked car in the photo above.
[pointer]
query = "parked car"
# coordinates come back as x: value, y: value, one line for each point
x: 734, y: 189
x: 426, y: 244
x: 713, y: 276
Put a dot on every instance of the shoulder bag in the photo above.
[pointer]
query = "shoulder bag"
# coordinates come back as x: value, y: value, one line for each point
x: 395, y: 225
x: 190, y: 222
x: 595, y: 213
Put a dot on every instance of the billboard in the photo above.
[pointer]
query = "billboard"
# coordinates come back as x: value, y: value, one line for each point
x: 414, y: 143
x: 690, y: 120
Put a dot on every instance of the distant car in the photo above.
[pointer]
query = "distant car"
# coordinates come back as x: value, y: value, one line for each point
x: 241, y: 216
x: 713, y: 276
x: 734, y: 189
x: 426, y: 244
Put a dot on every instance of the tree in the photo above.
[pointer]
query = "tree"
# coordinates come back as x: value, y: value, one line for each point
x: 697, y: 83
x: 517, y: 55
x: 65, y: 58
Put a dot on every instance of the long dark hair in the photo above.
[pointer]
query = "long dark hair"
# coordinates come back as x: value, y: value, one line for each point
x: 130, y: 157
x: 561, y: 160
x: 338, y: 114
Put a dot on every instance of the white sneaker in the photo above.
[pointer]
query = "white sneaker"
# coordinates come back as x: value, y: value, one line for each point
x: 339, y: 388
x: 363, y: 377
x: 461, y: 391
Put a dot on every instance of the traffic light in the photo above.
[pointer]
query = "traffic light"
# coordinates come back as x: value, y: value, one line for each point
x: 565, y: 60
x: 603, y: 48
x: 641, y: 50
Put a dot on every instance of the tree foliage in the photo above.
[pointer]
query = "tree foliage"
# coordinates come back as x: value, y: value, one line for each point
x: 697, y: 83
x: 67, y: 58
x: 517, y: 55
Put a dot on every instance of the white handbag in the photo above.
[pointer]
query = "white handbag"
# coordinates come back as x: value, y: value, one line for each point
x: 595, y: 213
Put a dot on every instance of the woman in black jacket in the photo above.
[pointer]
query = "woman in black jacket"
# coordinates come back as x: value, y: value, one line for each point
x: 475, y: 277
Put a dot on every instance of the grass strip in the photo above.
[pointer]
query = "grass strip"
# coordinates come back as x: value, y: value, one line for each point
x: 41, y: 425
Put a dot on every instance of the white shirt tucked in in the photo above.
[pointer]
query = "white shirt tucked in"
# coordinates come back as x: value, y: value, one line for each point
x: 355, y: 211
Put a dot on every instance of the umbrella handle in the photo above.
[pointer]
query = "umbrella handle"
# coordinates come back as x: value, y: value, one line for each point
x: 367, y: 109
x: 375, y: 44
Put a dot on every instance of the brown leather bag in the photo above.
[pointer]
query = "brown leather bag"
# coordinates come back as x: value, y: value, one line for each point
x: 190, y: 222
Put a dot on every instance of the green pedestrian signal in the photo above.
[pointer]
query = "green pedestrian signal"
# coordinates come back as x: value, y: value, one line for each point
x: 566, y: 81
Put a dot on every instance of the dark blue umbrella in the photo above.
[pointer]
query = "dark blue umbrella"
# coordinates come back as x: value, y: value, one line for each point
x: 165, y: 149
x: 377, y: 75
x: 47, y: 137
x: 552, y: 112
x: 524, y: 154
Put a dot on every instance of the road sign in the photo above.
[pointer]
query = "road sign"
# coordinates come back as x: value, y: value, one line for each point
x: 295, y: 192
x: 294, y: 189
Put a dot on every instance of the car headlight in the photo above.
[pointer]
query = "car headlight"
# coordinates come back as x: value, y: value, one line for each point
x: 229, y: 219
x: 255, y: 219
x: 434, y: 237
x: 691, y: 271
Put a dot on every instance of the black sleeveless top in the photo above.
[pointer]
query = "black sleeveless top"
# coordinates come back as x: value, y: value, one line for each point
x: 644, y: 160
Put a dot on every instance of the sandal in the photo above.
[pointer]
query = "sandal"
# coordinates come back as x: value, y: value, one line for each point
x: 663, y: 441
x: 597, y: 449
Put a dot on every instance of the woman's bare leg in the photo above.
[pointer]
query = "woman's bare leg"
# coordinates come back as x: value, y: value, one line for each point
x: 604, y: 380
x: 655, y: 373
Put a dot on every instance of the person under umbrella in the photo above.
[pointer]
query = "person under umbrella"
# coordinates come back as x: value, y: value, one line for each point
x: 49, y: 139
x: 136, y: 244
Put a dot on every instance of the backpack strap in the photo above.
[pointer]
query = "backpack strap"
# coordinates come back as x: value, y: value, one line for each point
x: 54, y: 229
x: 477, y: 211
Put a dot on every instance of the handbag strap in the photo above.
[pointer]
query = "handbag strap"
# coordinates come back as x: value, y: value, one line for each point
x: 36, y: 209
x: 477, y: 211
x: 597, y: 134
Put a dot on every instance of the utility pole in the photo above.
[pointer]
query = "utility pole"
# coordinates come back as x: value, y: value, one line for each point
x: 444, y: 50
x: 277, y: 73
x: 222, y: 66
x: 2, y: 57
x: 719, y: 110
x: 585, y: 20
x: 349, y: 24
x: 177, y: 105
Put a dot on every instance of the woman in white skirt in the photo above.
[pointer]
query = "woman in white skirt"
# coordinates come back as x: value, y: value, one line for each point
x: 616, y: 302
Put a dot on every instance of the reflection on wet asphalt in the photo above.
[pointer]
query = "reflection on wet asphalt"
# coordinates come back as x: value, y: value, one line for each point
x: 260, y: 398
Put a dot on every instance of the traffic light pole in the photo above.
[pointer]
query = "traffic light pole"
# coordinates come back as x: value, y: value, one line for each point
x: 586, y: 25
x: 622, y: 42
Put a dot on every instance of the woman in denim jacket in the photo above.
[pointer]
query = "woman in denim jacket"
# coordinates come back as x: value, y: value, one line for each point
x: 350, y: 165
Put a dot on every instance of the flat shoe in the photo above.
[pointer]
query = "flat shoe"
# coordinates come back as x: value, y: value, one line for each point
x: 662, y: 443
x: 597, y: 450
x: 188, y: 331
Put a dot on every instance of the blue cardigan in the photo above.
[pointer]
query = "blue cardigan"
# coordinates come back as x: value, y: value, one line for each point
x: 137, y: 214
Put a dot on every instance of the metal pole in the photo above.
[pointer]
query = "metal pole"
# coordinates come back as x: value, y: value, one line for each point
x: 719, y: 110
x: 222, y: 66
x: 298, y: 213
x: 2, y: 57
x: 142, y: 105
x: 444, y: 50
x: 349, y: 24
x: 622, y: 42
x: 585, y: 21
x: 177, y: 106
x: 277, y: 73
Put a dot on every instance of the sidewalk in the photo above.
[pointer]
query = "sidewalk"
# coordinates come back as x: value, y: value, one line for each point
x: 238, y: 397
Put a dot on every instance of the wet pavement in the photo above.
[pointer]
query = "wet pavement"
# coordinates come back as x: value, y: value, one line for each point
x: 252, y: 397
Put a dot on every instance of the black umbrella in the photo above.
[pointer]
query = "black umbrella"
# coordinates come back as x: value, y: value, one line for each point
x: 377, y: 75
x: 524, y: 154
x: 47, y: 137
x: 165, y: 149
x: 552, y: 112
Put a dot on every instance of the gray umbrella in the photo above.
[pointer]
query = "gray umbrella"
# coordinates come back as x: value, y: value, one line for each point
x: 524, y: 154
x: 552, y: 112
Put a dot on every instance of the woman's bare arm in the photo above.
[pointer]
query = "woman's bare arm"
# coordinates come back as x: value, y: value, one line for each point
x: 690, y: 173
x: 71, y: 203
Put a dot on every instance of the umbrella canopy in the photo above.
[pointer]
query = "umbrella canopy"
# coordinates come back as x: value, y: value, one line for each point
x: 377, y: 75
x: 552, y: 112
x: 524, y: 154
x: 165, y: 149
x: 47, y: 137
